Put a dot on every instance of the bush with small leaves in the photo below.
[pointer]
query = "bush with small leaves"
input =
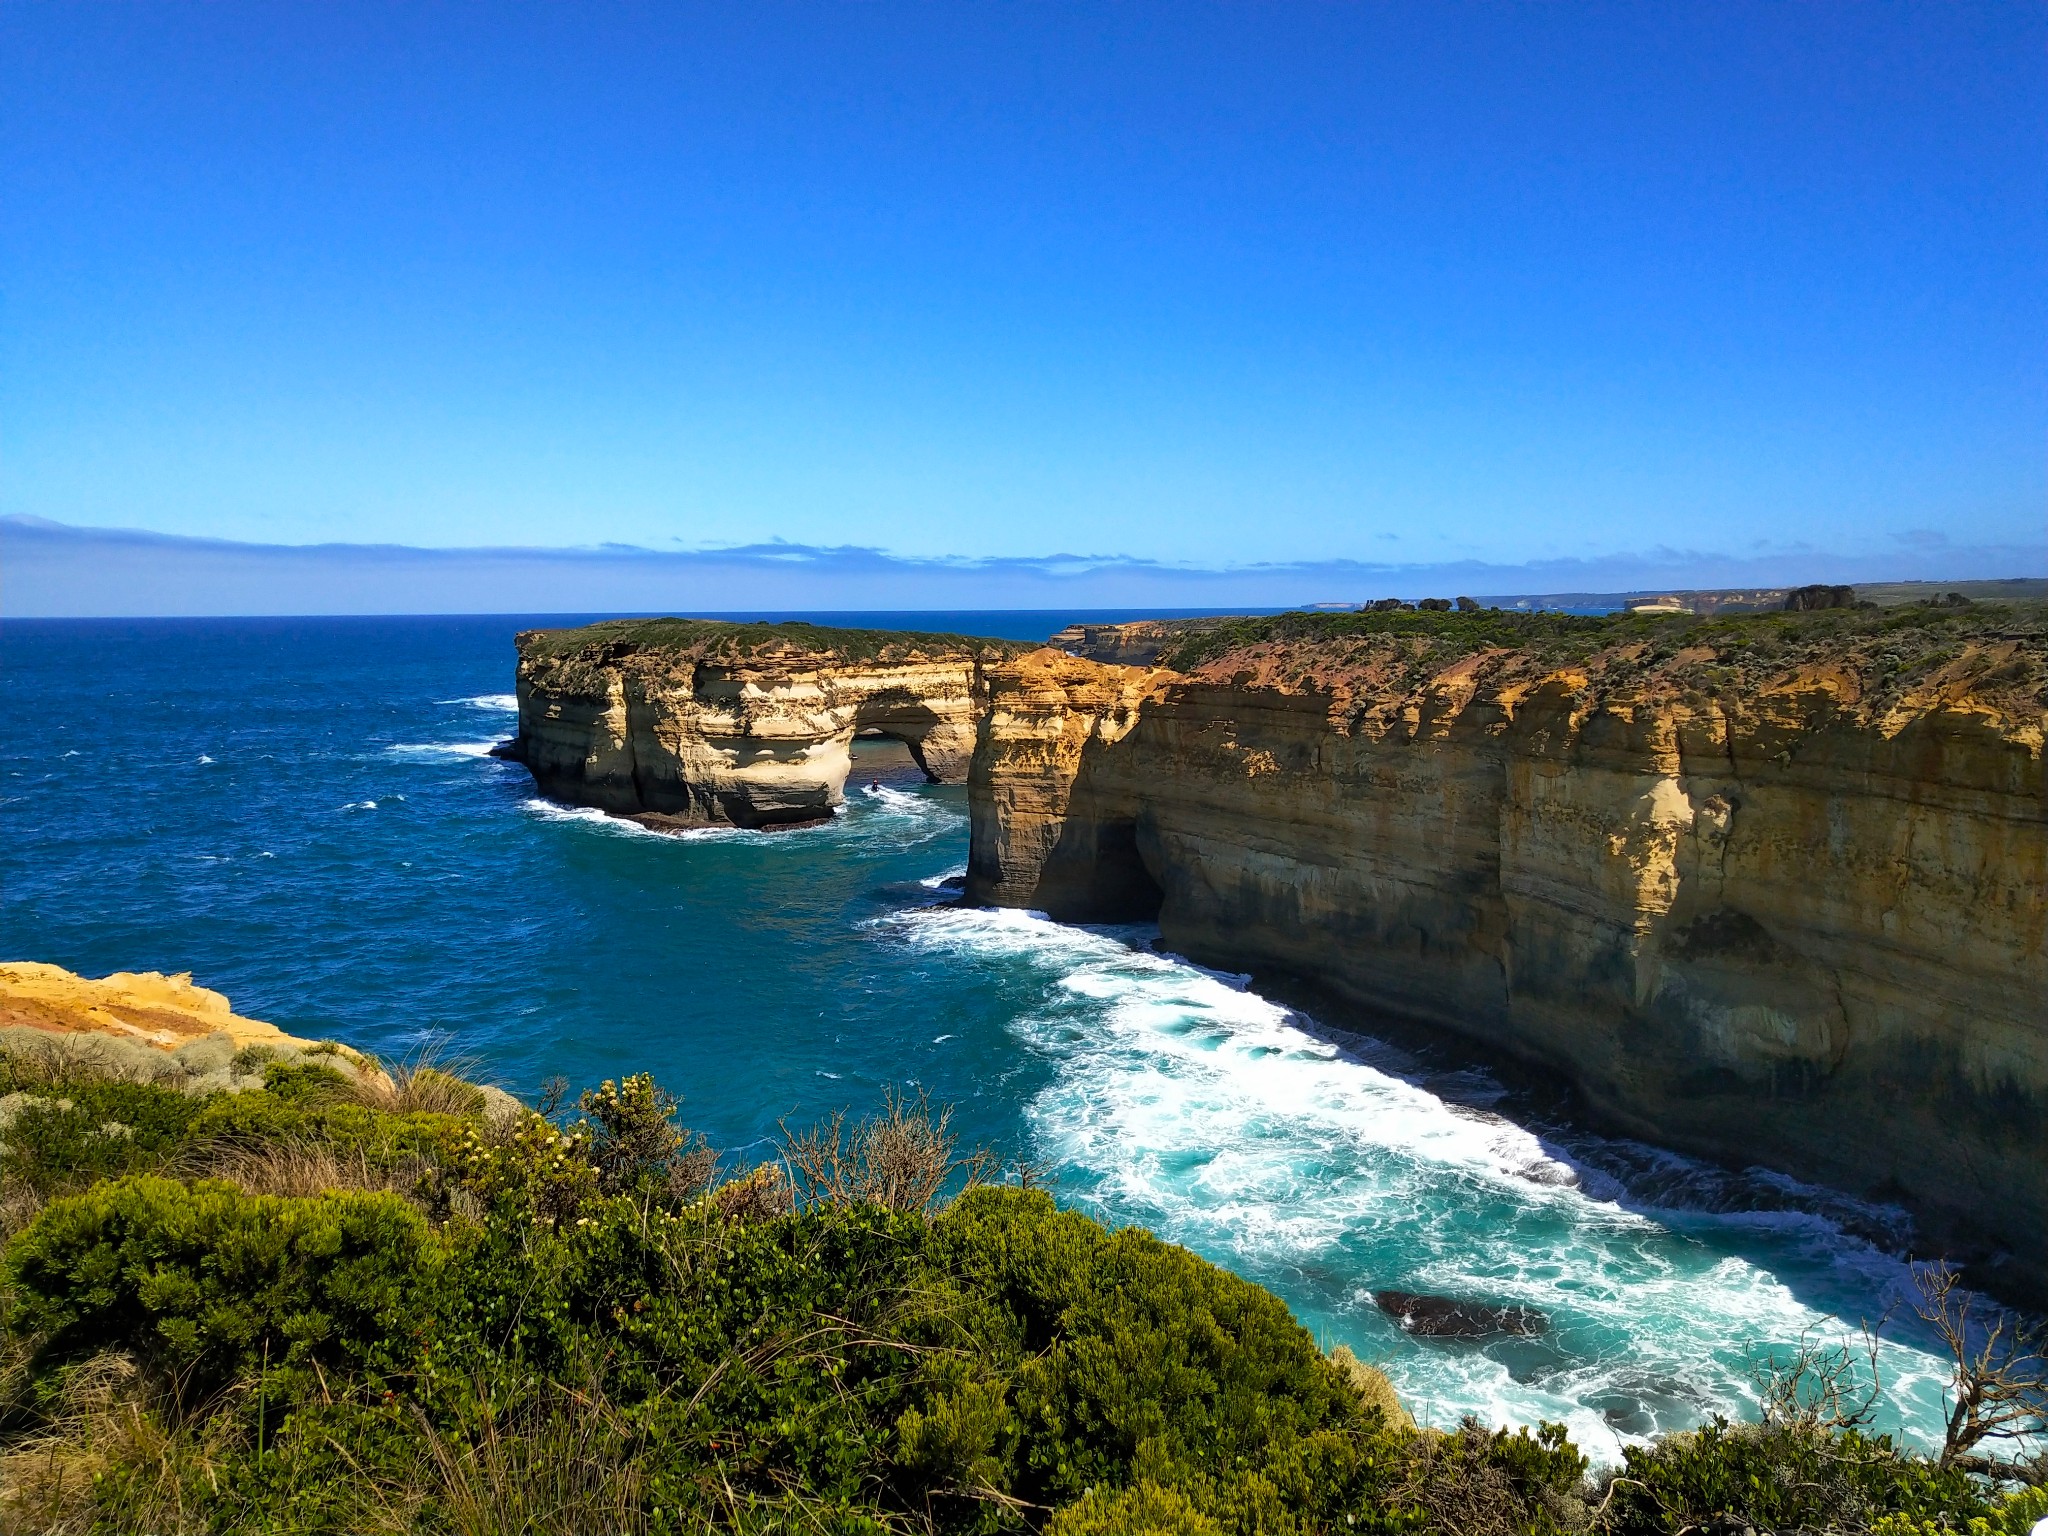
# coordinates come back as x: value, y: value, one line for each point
x: 206, y: 1285
x: 543, y: 1333
x: 636, y: 1146
x: 1733, y: 1477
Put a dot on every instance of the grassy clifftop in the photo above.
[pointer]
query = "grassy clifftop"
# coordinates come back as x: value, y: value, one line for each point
x: 724, y: 641
x: 334, y: 1302
x: 1872, y: 660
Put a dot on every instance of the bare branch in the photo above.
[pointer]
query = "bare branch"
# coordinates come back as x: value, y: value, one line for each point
x: 1824, y: 1386
x: 905, y: 1158
x: 1999, y: 1389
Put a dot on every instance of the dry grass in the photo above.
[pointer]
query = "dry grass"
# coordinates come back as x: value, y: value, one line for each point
x: 567, y: 1465
x: 430, y: 1082
x: 295, y: 1169
x: 46, y: 1477
x: 1460, y: 1489
x: 1372, y: 1386
x: 20, y: 1204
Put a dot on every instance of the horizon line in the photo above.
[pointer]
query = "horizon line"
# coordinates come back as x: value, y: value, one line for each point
x: 62, y: 570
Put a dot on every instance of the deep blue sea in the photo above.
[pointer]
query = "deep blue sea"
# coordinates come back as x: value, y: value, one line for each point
x: 301, y: 813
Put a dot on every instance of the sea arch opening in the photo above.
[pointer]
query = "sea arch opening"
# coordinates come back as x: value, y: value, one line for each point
x: 906, y: 720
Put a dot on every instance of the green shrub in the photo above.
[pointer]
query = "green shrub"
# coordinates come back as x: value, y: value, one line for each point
x: 206, y: 1285
x: 1146, y: 1510
x: 1121, y: 1341
x: 568, y: 1343
x: 96, y: 1130
x: 306, y: 1082
x: 635, y: 1144
x: 305, y: 1114
x: 1732, y: 1477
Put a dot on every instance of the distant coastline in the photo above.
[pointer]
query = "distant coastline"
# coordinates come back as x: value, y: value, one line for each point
x: 57, y: 570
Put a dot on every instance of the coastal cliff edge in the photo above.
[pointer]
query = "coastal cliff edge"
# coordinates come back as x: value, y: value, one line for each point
x: 1770, y: 889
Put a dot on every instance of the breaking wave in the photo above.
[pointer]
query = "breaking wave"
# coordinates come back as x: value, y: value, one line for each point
x: 431, y: 751
x: 1182, y: 1100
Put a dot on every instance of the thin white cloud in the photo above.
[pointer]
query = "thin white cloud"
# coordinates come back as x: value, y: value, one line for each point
x: 57, y: 570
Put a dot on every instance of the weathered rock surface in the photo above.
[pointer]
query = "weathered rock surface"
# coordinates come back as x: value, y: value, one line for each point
x: 147, y: 1007
x: 695, y: 722
x: 1773, y: 889
x: 142, y: 1022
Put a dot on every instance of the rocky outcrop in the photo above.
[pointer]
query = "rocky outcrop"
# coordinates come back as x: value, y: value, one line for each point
x: 1771, y: 889
x: 146, y: 1025
x: 693, y: 722
x: 147, y: 1007
x: 1809, y: 599
x: 1136, y: 644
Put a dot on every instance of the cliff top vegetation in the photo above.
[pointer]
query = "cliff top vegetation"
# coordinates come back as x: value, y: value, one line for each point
x: 723, y: 640
x: 330, y: 1302
x: 1872, y: 659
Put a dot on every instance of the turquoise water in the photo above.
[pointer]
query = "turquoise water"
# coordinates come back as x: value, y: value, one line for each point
x: 301, y: 813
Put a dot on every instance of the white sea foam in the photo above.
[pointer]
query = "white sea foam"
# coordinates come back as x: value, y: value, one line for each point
x: 895, y: 819
x: 505, y: 703
x: 204, y: 759
x: 360, y: 805
x: 938, y: 881
x: 429, y: 751
x: 1181, y: 1099
x: 603, y: 821
x: 586, y: 815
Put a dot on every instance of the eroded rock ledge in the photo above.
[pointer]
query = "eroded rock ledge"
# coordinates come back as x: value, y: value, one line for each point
x: 695, y: 722
x: 1773, y: 889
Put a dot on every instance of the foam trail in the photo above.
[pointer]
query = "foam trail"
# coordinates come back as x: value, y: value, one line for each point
x: 429, y: 751
x: 505, y: 703
x: 1182, y: 1100
x: 896, y: 818
x: 604, y: 821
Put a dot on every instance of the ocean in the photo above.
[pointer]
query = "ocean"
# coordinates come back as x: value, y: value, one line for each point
x: 303, y: 814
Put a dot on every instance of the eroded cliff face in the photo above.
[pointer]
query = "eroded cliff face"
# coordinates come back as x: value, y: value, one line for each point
x: 1791, y: 911
x: 694, y: 723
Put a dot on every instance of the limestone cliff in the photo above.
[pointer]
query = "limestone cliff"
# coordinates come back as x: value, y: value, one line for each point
x: 1774, y: 889
x: 681, y: 722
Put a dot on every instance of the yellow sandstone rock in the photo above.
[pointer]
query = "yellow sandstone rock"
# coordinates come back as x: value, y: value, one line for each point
x: 1793, y: 915
x: 144, y: 1006
x: 150, y: 1026
x: 682, y: 722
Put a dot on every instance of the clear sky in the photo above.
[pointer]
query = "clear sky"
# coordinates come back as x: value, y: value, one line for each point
x: 1192, y: 283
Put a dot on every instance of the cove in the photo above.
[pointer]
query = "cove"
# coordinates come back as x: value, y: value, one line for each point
x: 304, y: 814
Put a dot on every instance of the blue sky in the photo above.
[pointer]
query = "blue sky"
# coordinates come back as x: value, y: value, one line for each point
x: 1207, y: 285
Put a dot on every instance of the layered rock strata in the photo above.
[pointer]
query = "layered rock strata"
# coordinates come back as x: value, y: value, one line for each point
x: 1774, y: 889
x: 693, y: 722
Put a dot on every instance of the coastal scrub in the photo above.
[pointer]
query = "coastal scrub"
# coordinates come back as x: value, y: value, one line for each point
x: 471, y: 1320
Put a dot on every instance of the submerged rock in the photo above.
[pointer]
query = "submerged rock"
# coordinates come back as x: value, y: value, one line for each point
x: 1445, y: 1317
